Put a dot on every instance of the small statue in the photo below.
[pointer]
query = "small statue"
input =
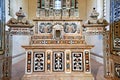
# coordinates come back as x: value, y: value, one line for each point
x: 94, y: 14
x: 20, y: 21
x: 93, y: 17
x: 20, y: 13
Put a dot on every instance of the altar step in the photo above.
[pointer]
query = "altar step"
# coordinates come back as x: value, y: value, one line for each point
x: 57, y: 76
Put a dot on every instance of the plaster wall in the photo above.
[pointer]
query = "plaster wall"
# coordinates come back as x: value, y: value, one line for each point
x: 17, y: 42
x: 16, y: 4
x: 96, y: 40
x: 90, y: 4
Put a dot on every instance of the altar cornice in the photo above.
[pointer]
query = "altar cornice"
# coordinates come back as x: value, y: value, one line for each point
x: 20, y: 25
x: 58, y: 46
x: 37, y: 19
x: 94, y: 25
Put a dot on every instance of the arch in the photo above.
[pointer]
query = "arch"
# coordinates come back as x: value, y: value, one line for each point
x: 58, y: 31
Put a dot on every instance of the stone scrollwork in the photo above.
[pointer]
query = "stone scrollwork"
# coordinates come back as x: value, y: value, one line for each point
x: 70, y: 28
x: 45, y: 28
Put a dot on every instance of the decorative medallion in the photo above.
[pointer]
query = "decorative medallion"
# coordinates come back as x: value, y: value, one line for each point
x: 70, y: 28
x: 45, y: 28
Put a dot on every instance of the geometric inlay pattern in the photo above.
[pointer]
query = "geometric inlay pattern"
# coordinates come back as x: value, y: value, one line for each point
x: 39, y: 61
x: 77, y: 61
x: 48, y: 61
x: 29, y: 56
x: 87, y: 62
x: 117, y: 43
x: 115, y: 23
x: 68, y: 61
x: 58, y: 64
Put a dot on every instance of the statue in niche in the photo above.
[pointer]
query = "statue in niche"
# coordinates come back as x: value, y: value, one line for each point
x: 70, y: 28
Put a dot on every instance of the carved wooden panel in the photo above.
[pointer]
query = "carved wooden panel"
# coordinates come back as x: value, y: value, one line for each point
x: 2, y: 23
x: 115, y: 24
x: 115, y: 35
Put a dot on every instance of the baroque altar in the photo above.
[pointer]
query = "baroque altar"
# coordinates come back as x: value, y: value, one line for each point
x: 57, y: 49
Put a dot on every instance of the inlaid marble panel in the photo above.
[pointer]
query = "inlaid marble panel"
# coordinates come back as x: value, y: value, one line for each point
x: 58, y: 61
x: 117, y: 42
x: 29, y: 62
x: 39, y: 64
x: 87, y: 61
x: 77, y: 62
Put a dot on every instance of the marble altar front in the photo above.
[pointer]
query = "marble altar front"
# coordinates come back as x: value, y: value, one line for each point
x: 58, y: 51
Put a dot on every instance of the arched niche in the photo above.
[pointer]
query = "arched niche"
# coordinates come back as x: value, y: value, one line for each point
x: 58, y: 31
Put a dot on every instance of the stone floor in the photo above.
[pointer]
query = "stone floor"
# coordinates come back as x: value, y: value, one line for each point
x: 18, y: 70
